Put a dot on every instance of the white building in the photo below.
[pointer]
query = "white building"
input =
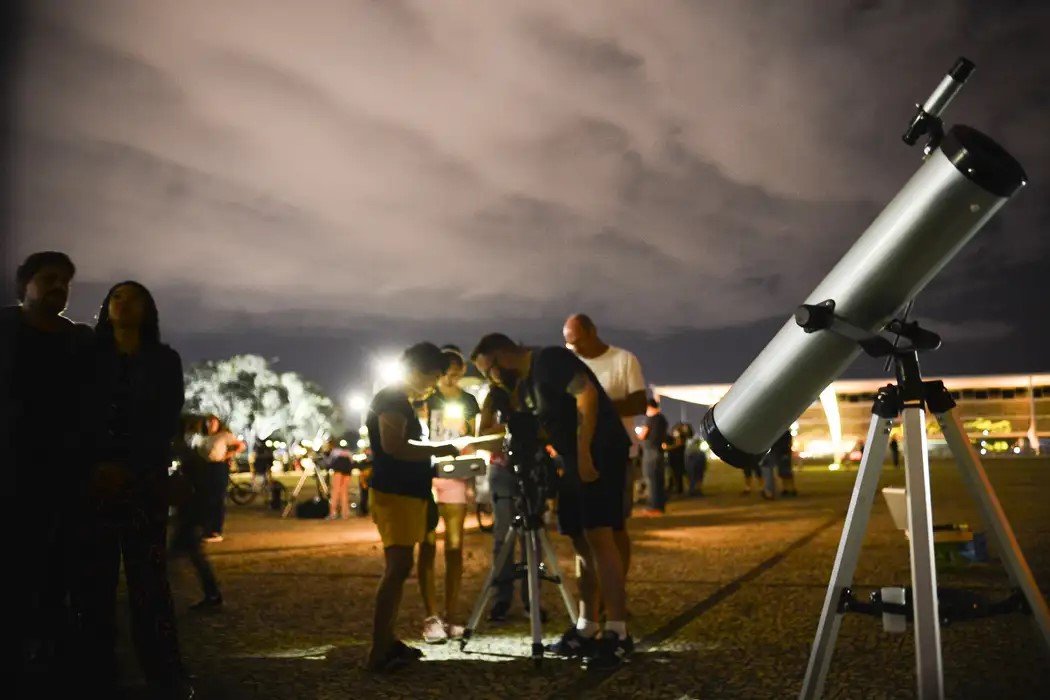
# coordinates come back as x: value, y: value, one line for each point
x: 1004, y: 414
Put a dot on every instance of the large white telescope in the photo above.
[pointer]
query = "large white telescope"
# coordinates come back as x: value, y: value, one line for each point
x: 965, y: 179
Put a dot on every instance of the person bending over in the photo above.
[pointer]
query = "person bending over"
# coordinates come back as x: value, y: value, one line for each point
x: 400, y: 489
x: 582, y: 424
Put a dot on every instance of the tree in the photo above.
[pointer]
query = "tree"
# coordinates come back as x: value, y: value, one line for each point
x: 256, y: 401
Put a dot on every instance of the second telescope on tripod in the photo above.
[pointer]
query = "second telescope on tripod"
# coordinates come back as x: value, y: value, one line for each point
x: 966, y: 178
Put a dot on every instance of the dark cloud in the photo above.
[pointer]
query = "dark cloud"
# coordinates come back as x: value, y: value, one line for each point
x: 373, y: 168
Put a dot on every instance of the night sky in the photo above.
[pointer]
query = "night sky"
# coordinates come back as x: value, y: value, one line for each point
x: 324, y: 182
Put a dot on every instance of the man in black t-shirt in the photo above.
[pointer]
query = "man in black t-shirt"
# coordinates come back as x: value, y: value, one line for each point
x: 584, y: 427
x: 654, y: 435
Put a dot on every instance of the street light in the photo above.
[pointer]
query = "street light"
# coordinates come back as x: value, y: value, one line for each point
x: 359, y: 404
x: 390, y: 371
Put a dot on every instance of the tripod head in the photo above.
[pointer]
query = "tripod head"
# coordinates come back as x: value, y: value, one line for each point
x: 531, y: 465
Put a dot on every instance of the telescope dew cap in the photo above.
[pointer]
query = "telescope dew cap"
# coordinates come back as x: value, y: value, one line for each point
x: 722, y: 447
x: 982, y: 161
x: 962, y: 69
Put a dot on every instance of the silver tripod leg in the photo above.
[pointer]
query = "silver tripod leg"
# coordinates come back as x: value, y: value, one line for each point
x: 552, y: 562
x: 295, y: 495
x: 490, y: 583
x: 532, y: 561
x: 995, y: 518
x: 848, y: 555
x: 928, y: 664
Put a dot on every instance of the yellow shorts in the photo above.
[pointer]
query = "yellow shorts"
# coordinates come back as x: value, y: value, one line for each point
x: 401, y: 520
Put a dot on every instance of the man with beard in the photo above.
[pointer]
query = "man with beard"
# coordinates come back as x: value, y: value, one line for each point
x: 582, y: 424
x: 44, y: 360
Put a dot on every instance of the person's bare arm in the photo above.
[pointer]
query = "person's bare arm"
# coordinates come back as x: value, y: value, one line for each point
x: 633, y: 405
x: 393, y: 436
x: 487, y: 418
x: 586, y: 395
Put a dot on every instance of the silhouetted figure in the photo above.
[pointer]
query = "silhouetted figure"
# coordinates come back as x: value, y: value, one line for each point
x: 895, y: 452
x: 680, y: 434
x: 190, y: 513
x: 137, y: 395
x: 44, y: 361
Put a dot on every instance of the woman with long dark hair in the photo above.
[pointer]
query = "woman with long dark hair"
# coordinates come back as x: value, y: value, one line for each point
x: 136, y: 400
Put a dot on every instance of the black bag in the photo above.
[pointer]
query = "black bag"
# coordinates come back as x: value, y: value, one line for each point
x: 314, y: 509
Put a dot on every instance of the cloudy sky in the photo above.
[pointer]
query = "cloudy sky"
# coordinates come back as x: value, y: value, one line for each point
x: 321, y: 181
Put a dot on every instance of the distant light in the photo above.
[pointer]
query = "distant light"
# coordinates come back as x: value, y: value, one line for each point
x: 984, y: 452
x: 1017, y: 450
x: 357, y: 402
x: 362, y: 443
x: 834, y: 466
x: 455, y: 411
x: 342, y: 443
x: 390, y: 371
x: 985, y: 432
x: 638, y: 431
x: 269, y: 443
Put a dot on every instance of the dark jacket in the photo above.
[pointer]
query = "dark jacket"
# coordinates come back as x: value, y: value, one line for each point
x: 156, y: 400
x: 38, y: 411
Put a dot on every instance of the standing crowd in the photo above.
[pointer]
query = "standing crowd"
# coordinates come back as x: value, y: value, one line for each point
x: 107, y: 402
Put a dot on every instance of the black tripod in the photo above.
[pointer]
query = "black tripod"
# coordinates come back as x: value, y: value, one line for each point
x: 541, y: 564
x: 924, y: 604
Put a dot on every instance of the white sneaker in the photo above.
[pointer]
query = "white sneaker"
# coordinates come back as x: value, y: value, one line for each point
x: 214, y: 537
x: 434, y: 631
x: 455, y: 631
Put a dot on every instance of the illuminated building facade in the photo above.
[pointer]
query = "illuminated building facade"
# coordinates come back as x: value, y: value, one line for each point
x: 1005, y: 415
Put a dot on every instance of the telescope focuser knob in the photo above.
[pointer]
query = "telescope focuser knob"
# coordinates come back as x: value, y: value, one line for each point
x: 815, y: 317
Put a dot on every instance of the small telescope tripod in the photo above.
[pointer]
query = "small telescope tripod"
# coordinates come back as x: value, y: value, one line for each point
x: 927, y: 607
x: 322, y: 489
x: 541, y: 564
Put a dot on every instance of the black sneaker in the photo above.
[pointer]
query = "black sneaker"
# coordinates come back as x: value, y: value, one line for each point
x: 404, y: 651
x: 572, y: 644
x: 499, y: 612
x: 209, y: 603
x: 610, y: 652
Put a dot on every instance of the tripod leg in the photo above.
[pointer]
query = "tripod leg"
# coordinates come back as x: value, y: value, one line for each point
x: 848, y: 555
x: 295, y: 496
x: 552, y: 561
x: 992, y: 511
x: 490, y: 583
x: 923, y: 570
x: 532, y: 559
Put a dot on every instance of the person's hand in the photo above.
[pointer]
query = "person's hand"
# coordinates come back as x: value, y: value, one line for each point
x: 588, y: 474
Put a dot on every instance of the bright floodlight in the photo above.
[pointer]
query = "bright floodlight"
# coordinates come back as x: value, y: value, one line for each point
x: 390, y: 371
x: 357, y: 402
x: 964, y: 181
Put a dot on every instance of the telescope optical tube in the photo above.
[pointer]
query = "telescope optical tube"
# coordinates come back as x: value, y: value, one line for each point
x: 959, y: 187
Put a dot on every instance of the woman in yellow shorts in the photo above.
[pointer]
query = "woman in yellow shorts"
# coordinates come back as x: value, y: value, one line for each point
x: 400, y: 489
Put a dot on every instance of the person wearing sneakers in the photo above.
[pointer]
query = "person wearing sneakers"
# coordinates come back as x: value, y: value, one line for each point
x: 582, y: 424
x: 400, y: 488
x: 451, y: 412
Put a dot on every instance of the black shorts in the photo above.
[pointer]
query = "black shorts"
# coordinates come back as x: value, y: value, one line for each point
x: 597, y: 504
